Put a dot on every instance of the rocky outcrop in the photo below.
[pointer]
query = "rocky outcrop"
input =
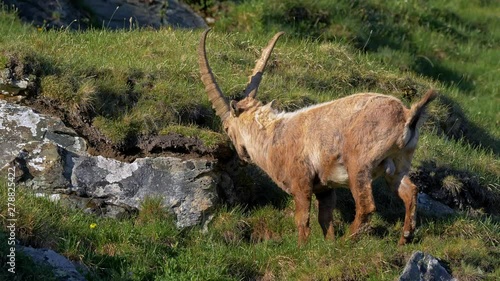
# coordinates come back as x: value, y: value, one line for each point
x: 51, y: 158
x: 188, y: 187
x: 424, y: 267
x: 38, y: 144
x: 113, y: 14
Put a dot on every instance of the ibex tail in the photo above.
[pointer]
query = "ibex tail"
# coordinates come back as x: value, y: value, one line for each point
x: 416, y: 118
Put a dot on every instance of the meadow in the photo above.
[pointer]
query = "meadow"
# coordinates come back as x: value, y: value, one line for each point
x: 140, y: 82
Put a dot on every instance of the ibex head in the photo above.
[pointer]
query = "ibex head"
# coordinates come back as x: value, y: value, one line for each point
x: 237, y: 116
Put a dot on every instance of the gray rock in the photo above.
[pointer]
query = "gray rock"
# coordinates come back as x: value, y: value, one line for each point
x: 41, y: 147
x: 430, y: 207
x: 8, y: 79
x: 424, y: 267
x: 62, y: 268
x: 21, y: 126
x: 187, y: 187
x: 14, y: 87
x: 51, y: 158
x: 113, y: 14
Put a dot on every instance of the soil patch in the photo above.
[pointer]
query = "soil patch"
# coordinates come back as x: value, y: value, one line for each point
x: 171, y: 144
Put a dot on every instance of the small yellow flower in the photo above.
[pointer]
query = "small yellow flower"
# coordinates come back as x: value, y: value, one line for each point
x: 93, y: 225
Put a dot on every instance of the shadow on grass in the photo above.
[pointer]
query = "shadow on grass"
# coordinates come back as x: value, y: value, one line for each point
x: 243, y: 270
x: 431, y: 67
x: 250, y: 187
x: 389, y: 206
x: 450, y: 23
x: 457, y: 126
x: 458, y: 189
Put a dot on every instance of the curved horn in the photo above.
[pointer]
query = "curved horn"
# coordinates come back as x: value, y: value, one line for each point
x: 219, y: 102
x: 258, y: 71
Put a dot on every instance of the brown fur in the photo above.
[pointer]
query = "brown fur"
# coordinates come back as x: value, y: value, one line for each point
x: 345, y: 142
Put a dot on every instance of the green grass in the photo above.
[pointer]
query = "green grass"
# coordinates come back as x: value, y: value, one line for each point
x: 257, y: 243
x: 454, y: 42
x: 143, y: 82
x: 208, y: 137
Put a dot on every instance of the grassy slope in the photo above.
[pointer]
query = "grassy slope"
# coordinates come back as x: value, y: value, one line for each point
x: 245, y: 246
x: 146, y: 81
x: 455, y: 42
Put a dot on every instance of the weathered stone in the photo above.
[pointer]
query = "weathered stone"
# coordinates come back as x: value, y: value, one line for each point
x: 9, y: 83
x: 50, y: 157
x: 424, y: 267
x: 21, y: 126
x: 187, y: 187
x: 113, y: 14
x: 40, y: 147
x: 13, y: 87
x: 62, y: 268
x: 46, y: 167
x: 430, y: 207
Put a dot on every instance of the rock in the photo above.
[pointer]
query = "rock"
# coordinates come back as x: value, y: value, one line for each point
x: 113, y: 14
x: 424, y: 267
x: 45, y: 166
x: 41, y: 147
x: 21, y: 126
x: 62, y: 268
x: 430, y: 207
x: 187, y: 187
x: 12, y: 88
x: 9, y: 81
x: 51, y: 158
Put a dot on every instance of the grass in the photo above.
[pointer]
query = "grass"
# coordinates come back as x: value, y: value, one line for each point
x: 455, y: 42
x: 208, y: 137
x: 248, y: 244
x: 144, y: 82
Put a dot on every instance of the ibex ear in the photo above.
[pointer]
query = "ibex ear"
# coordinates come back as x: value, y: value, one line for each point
x: 270, y: 105
x: 235, y: 112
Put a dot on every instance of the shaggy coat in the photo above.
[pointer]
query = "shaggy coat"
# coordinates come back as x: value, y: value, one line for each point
x: 344, y: 142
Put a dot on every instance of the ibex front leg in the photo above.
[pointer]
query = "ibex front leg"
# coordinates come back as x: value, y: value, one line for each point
x: 302, y: 197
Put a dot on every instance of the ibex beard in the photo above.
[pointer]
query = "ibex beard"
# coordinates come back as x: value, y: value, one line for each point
x: 344, y: 142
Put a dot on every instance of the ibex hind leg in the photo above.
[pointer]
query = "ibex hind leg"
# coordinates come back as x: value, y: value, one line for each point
x: 407, y: 191
x: 361, y: 188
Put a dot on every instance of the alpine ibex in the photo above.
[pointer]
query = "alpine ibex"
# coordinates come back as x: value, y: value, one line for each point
x: 348, y: 141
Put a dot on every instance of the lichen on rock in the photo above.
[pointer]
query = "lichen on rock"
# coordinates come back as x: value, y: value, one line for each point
x: 50, y: 157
